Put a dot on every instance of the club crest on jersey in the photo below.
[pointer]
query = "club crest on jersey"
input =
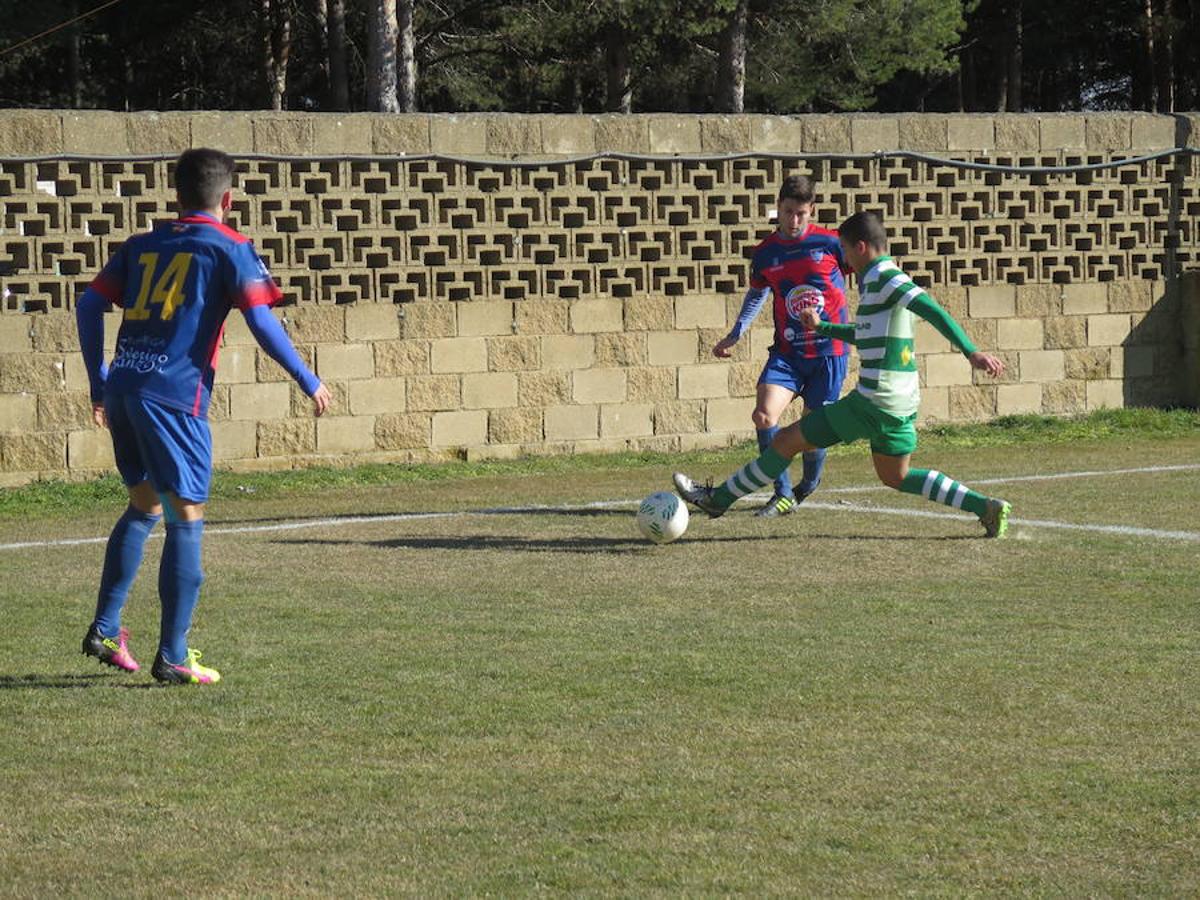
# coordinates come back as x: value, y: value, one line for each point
x: 816, y: 255
x: 804, y: 296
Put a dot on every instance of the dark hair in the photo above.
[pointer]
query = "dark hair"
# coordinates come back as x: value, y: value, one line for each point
x: 202, y: 175
x: 797, y: 187
x: 866, y: 227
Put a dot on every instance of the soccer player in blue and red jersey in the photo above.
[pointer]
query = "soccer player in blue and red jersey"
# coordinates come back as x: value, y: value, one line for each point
x: 800, y: 265
x: 174, y: 286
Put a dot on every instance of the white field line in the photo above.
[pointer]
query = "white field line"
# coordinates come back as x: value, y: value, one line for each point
x: 1013, y: 479
x: 338, y: 521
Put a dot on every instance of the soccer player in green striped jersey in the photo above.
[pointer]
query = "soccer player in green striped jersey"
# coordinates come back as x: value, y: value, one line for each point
x: 883, y: 406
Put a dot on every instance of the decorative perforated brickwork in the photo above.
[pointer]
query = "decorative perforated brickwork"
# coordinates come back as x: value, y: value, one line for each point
x: 461, y: 305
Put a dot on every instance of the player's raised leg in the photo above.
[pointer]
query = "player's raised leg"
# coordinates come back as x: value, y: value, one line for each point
x: 751, y: 477
x: 894, y: 471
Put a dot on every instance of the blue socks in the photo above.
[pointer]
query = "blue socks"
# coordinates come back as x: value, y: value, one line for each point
x: 814, y: 465
x: 121, y: 561
x: 179, y: 579
x: 783, y: 484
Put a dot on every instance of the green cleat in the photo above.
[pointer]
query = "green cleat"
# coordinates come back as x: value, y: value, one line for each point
x: 777, y: 506
x: 995, y: 518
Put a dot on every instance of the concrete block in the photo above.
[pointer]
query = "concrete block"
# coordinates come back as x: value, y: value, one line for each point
x: 1108, y: 330
x: 372, y: 322
x: 1107, y: 394
x: 777, y: 134
x: 1063, y: 332
x: 944, y: 369
x: 16, y: 334
x: 700, y: 311
x: 378, y: 395
x: 619, y: 349
x: 647, y: 313
x: 697, y: 382
x: 59, y: 411
x: 724, y: 134
x: 433, y: 392
x: 827, y: 133
x: 538, y: 389
x: 1084, y: 299
x: 567, y: 135
x: 489, y: 390
x: 515, y: 426
x: 1041, y: 365
x: 599, y: 386
x: 464, y: 428
x: 966, y: 132
x: 345, y: 434
x: 403, y: 431
x: 428, y: 319
x: 672, y: 348
x: 651, y: 385
x: 393, y: 358
x: 588, y: 316
x: 345, y: 362
x: 401, y: 134
x: 568, y: 351
x: 484, y: 317
x: 924, y: 132
x: 622, y: 134
x: 994, y: 301
x: 315, y: 324
x: 232, y: 132
x: 1014, y: 399
x: 871, y: 134
x: 287, y: 438
x: 543, y: 316
x: 89, y: 449
x: 459, y: 355
x: 288, y: 134
x: 728, y: 415
x: 458, y: 135
x: 626, y: 420
x: 1109, y: 131
x: 572, y: 423
x: 674, y: 134
x: 234, y: 440
x: 258, y: 401
x: 238, y: 365
x: 342, y: 133
x: 1017, y: 133
x: 89, y: 132
x: 1063, y: 132
x: 19, y: 412
x: 511, y: 136
x: 1152, y: 132
x: 514, y: 354
x: 1020, y: 334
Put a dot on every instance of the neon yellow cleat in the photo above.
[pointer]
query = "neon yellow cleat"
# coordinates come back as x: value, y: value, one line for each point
x: 188, y: 672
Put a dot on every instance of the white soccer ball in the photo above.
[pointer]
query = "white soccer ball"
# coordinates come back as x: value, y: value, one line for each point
x: 662, y: 517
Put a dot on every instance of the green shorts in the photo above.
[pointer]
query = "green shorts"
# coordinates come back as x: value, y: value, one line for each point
x: 855, y: 417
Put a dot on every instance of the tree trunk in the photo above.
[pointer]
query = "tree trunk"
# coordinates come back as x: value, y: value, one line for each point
x: 619, y: 95
x: 74, y: 74
x: 339, y: 85
x: 383, y: 31
x: 408, y: 58
x: 321, y: 21
x: 731, y: 61
x: 1165, y: 64
x: 1016, y: 40
x: 1149, y: 92
x: 276, y: 33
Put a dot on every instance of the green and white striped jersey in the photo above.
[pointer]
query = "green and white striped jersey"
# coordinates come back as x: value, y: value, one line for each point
x: 883, y: 333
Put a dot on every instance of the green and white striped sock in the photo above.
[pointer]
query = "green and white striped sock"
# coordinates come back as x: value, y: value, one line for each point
x: 751, y: 477
x: 933, y: 485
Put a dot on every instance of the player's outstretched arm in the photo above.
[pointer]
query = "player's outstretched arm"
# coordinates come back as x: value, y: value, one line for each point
x: 272, y: 338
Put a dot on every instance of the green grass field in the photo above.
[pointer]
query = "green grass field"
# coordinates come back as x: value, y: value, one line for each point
x: 850, y: 701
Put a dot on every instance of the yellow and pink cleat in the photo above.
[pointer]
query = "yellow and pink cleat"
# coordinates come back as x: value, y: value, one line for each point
x: 188, y: 672
x: 110, y: 651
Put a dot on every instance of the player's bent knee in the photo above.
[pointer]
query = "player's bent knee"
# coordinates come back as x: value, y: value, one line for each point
x: 763, y: 419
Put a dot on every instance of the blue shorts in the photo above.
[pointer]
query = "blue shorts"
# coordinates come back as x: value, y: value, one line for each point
x: 167, y: 446
x: 818, y: 380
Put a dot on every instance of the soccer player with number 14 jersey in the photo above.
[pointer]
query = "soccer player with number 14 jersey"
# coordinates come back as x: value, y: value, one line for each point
x: 174, y: 286
x: 883, y: 407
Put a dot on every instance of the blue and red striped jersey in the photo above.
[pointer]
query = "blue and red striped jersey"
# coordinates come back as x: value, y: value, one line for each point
x: 807, y: 270
x: 175, y: 285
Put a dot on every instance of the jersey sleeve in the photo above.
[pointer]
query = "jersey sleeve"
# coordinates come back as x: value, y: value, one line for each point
x: 252, y: 285
x: 752, y: 305
x: 272, y: 338
x: 110, y: 283
x: 838, y: 331
x: 928, y: 309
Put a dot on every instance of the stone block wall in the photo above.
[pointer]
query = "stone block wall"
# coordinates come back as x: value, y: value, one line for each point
x: 512, y: 294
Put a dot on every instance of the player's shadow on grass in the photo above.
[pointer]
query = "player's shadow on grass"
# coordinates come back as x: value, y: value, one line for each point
x: 609, y: 545
x: 36, y: 681
x: 440, y: 514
